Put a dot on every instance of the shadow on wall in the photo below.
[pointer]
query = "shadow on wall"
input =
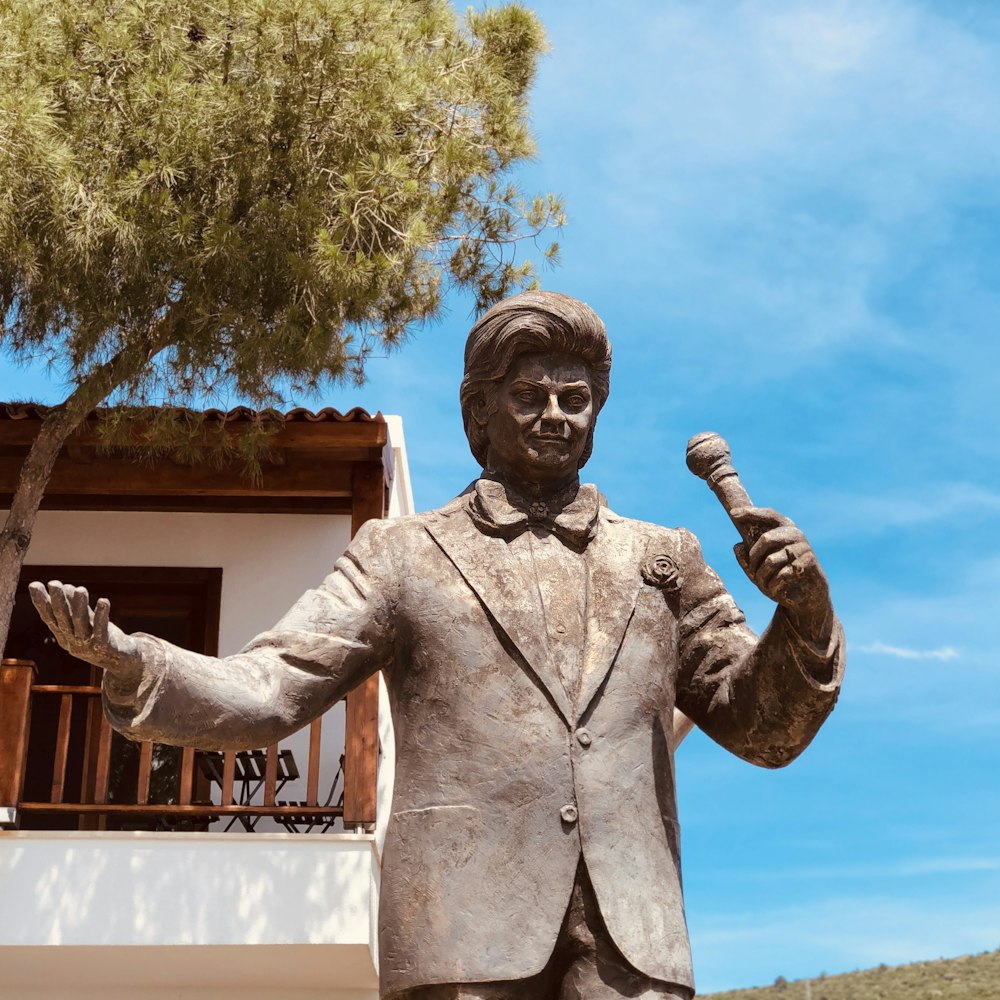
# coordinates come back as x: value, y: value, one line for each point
x: 185, y: 889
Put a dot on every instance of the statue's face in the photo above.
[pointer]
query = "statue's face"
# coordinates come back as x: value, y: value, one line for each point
x: 544, y: 412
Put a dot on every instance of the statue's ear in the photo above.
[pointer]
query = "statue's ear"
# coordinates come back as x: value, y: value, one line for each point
x: 479, y: 410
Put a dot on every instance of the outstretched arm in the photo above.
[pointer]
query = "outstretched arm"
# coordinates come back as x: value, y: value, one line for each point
x: 333, y: 638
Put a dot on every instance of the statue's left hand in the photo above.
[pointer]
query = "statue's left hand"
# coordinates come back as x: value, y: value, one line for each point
x: 782, y: 565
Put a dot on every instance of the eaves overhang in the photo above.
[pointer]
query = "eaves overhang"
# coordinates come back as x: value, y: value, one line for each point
x: 316, y: 462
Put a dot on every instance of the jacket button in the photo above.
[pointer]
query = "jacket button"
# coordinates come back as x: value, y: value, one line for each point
x: 569, y: 814
x: 583, y: 738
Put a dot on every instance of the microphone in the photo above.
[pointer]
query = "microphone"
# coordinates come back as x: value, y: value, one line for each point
x: 709, y: 458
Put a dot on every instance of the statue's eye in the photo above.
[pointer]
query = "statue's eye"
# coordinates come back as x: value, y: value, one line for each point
x: 526, y: 396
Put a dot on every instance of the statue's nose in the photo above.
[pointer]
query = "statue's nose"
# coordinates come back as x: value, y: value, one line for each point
x: 552, y: 415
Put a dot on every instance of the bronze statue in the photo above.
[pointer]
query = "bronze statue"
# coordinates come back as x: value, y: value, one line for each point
x: 535, y: 645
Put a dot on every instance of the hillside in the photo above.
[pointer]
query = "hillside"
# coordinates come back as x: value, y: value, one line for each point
x: 972, y: 977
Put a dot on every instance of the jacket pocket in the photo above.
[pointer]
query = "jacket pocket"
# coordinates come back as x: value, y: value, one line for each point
x: 443, y: 837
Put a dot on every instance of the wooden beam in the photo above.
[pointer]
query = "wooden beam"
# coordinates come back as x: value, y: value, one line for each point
x: 248, y: 504
x: 277, y: 455
x: 270, y: 774
x: 368, y: 493
x: 361, y: 749
x: 92, y: 808
x: 93, y: 745
x: 62, y: 748
x: 65, y: 689
x: 186, y: 786
x: 312, y: 771
x: 228, y: 776
x: 145, y: 772
x: 361, y: 754
x: 103, y: 770
x: 333, y: 435
x: 298, y: 477
x: 15, y: 720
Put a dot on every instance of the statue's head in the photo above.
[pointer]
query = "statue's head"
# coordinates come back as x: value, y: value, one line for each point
x: 537, y: 372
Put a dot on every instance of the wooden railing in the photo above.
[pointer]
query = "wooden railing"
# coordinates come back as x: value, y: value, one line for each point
x: 204, y: 786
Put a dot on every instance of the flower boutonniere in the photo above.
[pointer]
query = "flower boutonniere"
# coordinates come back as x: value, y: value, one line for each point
x: 659, y: 570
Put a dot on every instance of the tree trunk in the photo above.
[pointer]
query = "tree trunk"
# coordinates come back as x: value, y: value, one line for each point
x: 15, y: 537
x: 16, y: 534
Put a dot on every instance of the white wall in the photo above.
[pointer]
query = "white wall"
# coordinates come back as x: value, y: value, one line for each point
x: 267, y: 560
x: 400, y: 491
x: 202, y: 915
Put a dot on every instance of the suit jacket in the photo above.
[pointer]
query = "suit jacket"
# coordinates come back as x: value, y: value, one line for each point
x: 501, y: 780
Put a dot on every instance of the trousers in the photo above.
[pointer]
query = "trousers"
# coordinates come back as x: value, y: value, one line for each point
x: 585, y: 965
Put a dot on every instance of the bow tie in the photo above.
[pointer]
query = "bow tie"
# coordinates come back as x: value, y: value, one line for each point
x: 572, y: 514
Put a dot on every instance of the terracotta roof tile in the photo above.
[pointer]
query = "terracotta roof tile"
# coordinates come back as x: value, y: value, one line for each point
x: 37, y: 411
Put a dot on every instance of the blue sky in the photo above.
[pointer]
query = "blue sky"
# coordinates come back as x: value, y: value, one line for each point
x: 788, y: 215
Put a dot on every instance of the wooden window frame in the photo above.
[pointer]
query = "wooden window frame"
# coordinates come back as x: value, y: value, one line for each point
x: 209, y: 579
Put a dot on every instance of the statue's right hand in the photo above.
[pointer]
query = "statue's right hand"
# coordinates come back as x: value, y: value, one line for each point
x: 84, y: 633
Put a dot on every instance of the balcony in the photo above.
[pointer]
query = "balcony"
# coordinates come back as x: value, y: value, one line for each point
x: 110, y: 783
x: 146, y: 868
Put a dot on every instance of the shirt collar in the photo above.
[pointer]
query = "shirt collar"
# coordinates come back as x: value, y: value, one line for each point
x: 571, y: 514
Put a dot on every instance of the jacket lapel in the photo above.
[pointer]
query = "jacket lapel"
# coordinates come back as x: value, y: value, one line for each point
x: 496, y: 578
x: 613, y: 581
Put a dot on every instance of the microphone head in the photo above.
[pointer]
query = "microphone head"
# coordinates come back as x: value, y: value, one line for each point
x: 706, y: 453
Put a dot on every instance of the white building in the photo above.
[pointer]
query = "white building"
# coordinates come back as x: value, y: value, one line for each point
x: 90, y: 906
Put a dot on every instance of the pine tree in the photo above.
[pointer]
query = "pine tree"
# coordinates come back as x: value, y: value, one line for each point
x: 198, y: 195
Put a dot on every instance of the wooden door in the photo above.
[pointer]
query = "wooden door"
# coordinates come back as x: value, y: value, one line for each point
x: 180, y: 605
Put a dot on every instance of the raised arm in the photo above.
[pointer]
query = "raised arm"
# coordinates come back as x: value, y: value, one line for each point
x: 333, y: 638
x: 764, y: 699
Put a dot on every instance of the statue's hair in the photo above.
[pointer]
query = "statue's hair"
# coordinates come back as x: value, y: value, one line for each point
x: 529, y: 323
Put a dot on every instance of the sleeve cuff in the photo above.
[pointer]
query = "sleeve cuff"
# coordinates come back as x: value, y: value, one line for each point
x: 822, y: 667
x: 128, y: 701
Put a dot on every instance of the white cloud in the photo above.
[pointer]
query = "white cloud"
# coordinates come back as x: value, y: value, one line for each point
x: 945, y: 866
x: 781, y: 161
x: 851, y: 512
x: 905, y: 653
x: 904, y: 869
x: 828, y: 42
x: 887, y: 614
x: 783, y: 84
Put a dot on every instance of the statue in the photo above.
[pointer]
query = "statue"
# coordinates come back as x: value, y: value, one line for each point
x: 535, y: 645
